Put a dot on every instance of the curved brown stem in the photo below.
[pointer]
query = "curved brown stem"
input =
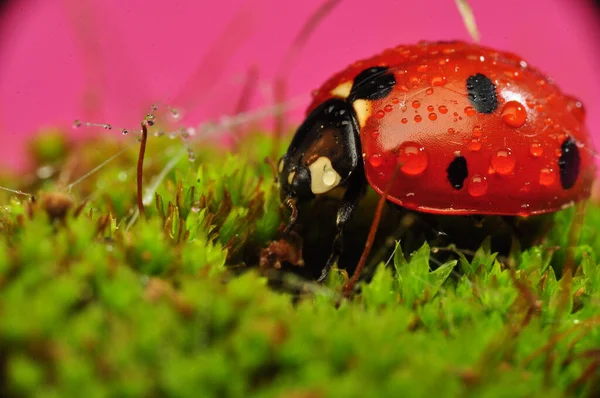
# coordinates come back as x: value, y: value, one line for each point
x: 140, y: 169
x: 371, y: 237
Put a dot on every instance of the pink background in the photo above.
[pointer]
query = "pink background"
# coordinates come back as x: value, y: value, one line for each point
x: 121, y: 56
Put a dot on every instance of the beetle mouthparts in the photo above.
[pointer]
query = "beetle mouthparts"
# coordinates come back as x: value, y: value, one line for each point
x: 290, y: 202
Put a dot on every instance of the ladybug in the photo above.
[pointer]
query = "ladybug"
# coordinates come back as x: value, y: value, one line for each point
x: 472, y: 130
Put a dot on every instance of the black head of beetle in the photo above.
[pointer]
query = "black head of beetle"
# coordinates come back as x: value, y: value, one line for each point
x: 322, y: 155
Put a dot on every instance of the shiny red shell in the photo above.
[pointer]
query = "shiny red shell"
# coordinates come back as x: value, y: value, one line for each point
x: 427, y: 121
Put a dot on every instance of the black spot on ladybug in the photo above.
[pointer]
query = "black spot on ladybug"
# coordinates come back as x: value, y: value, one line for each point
x: 482, y: 93
x: 372, y: 84
x: 569, y: 163
x: 457, y: 172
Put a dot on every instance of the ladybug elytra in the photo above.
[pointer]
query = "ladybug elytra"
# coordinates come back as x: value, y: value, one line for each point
x: 473, y: 131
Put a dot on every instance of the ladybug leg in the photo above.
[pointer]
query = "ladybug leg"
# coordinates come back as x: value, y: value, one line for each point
x: 353, y: 194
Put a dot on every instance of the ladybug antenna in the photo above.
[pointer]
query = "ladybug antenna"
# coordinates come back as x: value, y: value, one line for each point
x: 290, y: 202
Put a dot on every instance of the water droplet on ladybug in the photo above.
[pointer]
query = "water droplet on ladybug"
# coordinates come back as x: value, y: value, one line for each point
x: 514, y: 114
x: 429, y: 91
x: 478, y: 185
x: 451, y: 131
x: 536, y: 149
x: 418, y: 118
x: 503, y: 161
x: 413, y: 158
x: 558, y: 152
x: 430, y: 108
x: 470, y: 111
x: 432, y: 116
x: 415, y: 81
x: 395, y: 101
x: 438, y: 80
x: 374, y: 134
x: 379, y: 114
x: 388, y: 108
x: 416, y: 104
x: 477, y: 131
x: 475, y: 144
x: 547, y: 177
x: 404, y: 120
x: 576, y: 108
x: 443, y: 109
x: 375, y: 160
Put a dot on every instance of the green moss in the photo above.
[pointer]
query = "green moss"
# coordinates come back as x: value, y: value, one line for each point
x: 101, y: 303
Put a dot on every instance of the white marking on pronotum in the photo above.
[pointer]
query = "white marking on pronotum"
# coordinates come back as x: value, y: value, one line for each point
x: 343, y: 90
x: 323, y: 177
x: 363, y: 111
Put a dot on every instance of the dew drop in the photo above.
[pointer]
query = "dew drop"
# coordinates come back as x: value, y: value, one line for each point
x: 77, y: 123
x: 379, y: 114
x: 443, y: 109
x: 576, y: 108
x: 430, y: 108
x: 438, y: 80
x: 558, y: 152
x: 413, y: 158
x: 418, y: 118
x: 429, y: 91
x: 174, y: 113
x: 388, y: 108
x: 432, y: 116
x: 477, y: 131
x: 536, y: 150
x: 451, y: 131
x: 395, y: 101
x: 470, y: 111
x: 149, y: 119
x: 547, y: 177
x: 503, y: 161
x: 422, y: 68
x: 475, y: 145
x: 404, y: 120
x: 514, y: 114
x: 375, y: 160
x: 416, y: 104
x: 107, y: 126
x: 124, y: 131
x: 478, y: 185
x: 415, y: 81
x: 374, y: 134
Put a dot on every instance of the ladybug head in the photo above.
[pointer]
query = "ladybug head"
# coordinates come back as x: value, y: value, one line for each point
x: 322, y: 155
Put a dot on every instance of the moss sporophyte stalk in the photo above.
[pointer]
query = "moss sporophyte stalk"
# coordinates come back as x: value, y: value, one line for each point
x: 207, y: 296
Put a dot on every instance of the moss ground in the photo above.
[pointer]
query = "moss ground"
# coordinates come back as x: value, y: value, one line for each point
x: 97, y: 303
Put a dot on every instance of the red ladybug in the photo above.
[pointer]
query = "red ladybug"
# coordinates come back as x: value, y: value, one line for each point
x: 475, y: 130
